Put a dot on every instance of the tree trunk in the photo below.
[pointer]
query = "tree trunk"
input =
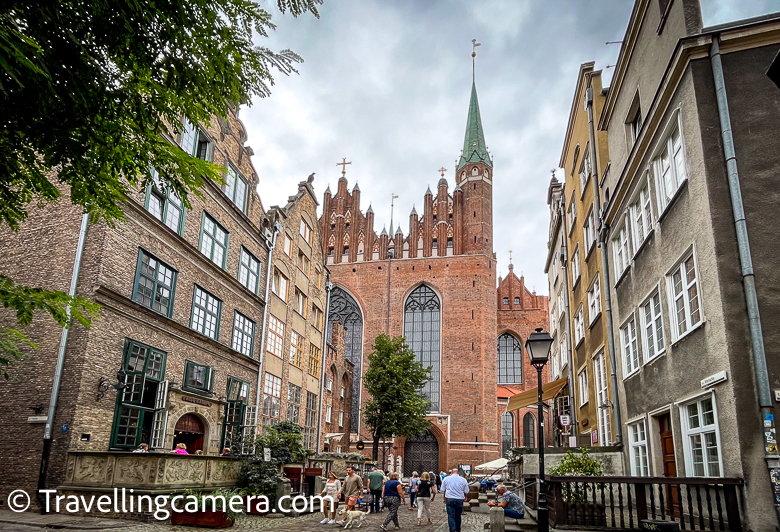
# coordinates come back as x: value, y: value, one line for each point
x: 375, y: 450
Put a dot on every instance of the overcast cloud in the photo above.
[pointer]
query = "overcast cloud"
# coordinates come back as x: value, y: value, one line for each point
x: 386, y: 84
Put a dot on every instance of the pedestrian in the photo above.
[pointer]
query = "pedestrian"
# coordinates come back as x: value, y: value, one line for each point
x: 413, y: 483
x: 455, y: 489
x: 438, y: 479
x: 352, y: 490
x: 181, y: 448
x: 331, y: 493
x: 392, y: 496
x: 143, y: 448
x: 510, y: 502
x: 376, y: 480
x: 198, y: 453
x: 226, y: 452
x: 425, y: 496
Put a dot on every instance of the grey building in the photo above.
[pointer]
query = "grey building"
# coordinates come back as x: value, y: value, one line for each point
x: 693, y: 401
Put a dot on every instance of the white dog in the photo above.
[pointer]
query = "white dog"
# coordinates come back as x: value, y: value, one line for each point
x: 354, y: 515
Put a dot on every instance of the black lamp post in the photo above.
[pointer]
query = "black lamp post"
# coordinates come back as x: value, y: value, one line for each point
x: 538, y: 347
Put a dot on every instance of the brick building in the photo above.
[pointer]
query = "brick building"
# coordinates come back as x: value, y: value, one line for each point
x: 182, y: 300
x: 436, y: 286
x: 337, y: 395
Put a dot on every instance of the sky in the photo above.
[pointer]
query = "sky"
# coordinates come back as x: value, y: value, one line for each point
x: 386, y: 84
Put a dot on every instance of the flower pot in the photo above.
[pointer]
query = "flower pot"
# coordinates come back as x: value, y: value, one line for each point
x: 214, y: 519
x: 184, y: 518
x: 252, y: 508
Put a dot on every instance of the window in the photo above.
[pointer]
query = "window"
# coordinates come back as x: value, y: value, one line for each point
x: 517, y: 301
x: 507, y: 432
x: 510, y: 360
x: 594, y: 300
x: 305, y: 231
x: 310, y: 429
x: 296, y: 349
x: 194, y: 142
x: 280, y: 285
x: 141, y: 413
x: 271, y: 394
x: 641, y: 216
x: 653, y: 327
x: 294, y: 404
x: 235, y: 187
x: 572, y: 213
x: 287, y: 245
x: 684, y: 295
x: 589, y: 230
x: 314, y: 360
x: 341, y: 418
x: 344, y: 309
x: 214, y: 241
x: 237, y: 396
x: 701, y: 439
x: 585, y: 170
x: 198, y: 377
x: 248, y: 270
x: 316, y: 317
x: 342, y: 392
x: 303, y: 263
x: 505, y: 301
x: 529, y: 428
x: 669, y: 167
x: 164, y: 204
x: 300, y: 303
x: 605, y: 422
x: 635, y: 125
x: 579, y: 327
x: 155, y: 283
x: 630, y: 347
x: 328, y: 413
x: 206, y: 310
x: 575, y: 266
x: 318, y: 277
x: 582, y: 380
x: 621, y: 248
x: 422, y: 317
x: 243, y: 334
x: 330, y: 384
x: 275, y: 336
x: 638, y: 454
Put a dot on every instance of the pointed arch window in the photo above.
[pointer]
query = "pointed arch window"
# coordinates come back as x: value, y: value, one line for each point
x: 529, y: 426
x: 422, y: 329
x: 344, y: 309
x: 510, y: 359
x: 507, y: 432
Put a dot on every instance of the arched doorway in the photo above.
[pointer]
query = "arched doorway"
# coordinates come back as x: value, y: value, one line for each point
x: 189, y: 431
x: 421, y: 453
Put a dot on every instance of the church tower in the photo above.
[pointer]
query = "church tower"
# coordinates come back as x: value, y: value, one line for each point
x: 474, y: 176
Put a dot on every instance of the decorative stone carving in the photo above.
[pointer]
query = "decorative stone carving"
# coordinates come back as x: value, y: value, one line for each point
x: 133, y: 470
x: 90, y: 468
x: 225, y: 471
x: 182, y: 471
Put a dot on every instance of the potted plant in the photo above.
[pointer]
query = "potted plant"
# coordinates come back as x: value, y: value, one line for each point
x: 580, y: 498
x: 206, y: 514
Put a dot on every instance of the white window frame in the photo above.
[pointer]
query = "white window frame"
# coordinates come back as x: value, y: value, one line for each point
x: 341, y: 418
x: 328, y: 412
x: 602, y: 398
x: 639, y: 455
x: 330, y: 384
x: 287, y: 245
x: 585, y: 170
x: 621, y: 248
x: 594, y: 300
x: 641, y: 213
x: 629, y: 347
x: 667, y: 184
x: 342, y: 392
x: 582, y: 384
x: 572, y: 213
x: 589, y: 231
x: 575, y: 266
x: 579, y: 326
x: 684, y: 296
x: 652, y: 328
x: 689, y: 432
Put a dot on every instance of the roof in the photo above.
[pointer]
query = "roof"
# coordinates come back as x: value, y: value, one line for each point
x: 508, y: 391
x: 474, y: 149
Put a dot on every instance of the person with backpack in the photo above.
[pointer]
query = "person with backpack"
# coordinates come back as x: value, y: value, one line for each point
x: 414, y: 482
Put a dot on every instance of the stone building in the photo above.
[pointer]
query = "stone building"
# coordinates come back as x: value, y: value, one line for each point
x: 337, y: 396
x: 436, y: 286
x: 181, y: 295
x: 691, y: 119
x: 292, y: 360
x: 590, y: 336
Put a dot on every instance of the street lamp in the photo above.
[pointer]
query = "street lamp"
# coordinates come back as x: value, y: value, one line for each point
x: 538, y: 347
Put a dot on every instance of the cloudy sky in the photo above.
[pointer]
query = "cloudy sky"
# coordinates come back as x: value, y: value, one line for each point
x: 386, y: 84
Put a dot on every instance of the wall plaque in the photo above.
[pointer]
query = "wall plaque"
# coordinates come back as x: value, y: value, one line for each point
x: 195, y: 400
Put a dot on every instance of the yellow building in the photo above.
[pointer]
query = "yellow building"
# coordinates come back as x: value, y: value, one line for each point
x: 593, y: 383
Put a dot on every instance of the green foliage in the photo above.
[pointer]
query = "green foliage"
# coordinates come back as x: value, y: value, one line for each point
x: 89, y: 89
x: 393, y: 381
x: 25, y: 302
x: 578, y: 466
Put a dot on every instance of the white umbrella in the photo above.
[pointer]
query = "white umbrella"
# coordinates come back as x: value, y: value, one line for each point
x: 493, y: 465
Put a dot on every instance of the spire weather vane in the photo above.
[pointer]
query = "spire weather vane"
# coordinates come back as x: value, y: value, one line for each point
x: 343, y: 164
x: 442, y: 170
x: 474, y: 45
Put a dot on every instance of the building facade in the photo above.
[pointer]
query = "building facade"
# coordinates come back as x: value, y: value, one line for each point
x: 691, y: 119
x: 436, y: 286
x: 181, y: 307
x: 337, y: 396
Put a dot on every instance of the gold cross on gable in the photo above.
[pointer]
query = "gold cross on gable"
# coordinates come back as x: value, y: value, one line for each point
x: 343, y: 164
x: 442, y: 170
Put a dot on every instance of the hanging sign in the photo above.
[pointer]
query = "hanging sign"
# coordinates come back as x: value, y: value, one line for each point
x: 565, y: 420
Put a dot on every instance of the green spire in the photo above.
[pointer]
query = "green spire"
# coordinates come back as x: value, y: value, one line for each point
x: 474, y: 149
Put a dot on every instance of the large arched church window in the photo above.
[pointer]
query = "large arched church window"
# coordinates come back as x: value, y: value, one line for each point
x: 507, y: 432
x: 510, y: 360
x: 344, y: 309
x: 422, y: 329
x: 529, y: 426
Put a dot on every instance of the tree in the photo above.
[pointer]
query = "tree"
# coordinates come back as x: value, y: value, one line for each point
x: 394, y: 380
x: 91, y: 91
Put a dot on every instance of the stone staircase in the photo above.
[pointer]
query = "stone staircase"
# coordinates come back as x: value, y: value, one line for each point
x: 479, y: 504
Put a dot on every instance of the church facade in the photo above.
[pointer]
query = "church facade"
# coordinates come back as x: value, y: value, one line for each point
x: 435, y: 284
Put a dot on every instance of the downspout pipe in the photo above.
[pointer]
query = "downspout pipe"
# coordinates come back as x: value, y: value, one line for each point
x: 55, y: 389
x: 605, y: 271
x: 270, y: 243
x: 328, y: 288
x: 746, y: 262
x: 569, y: 351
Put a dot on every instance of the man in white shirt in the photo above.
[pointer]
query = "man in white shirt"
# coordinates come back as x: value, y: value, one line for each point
x: 455, y: 489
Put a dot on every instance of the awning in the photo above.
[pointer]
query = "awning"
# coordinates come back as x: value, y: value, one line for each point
x: 530, y: 397
x: 492, y: 466
x: 331, y: 435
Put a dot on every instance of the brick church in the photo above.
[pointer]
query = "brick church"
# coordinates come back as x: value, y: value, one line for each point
x: 435, y: 283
